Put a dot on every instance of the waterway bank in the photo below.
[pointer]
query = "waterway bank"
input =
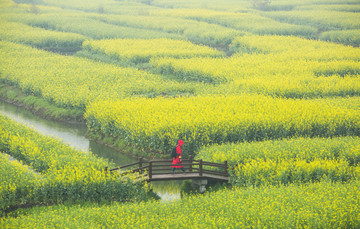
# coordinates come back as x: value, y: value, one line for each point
x: 38, y: 106
x: 75, y: 135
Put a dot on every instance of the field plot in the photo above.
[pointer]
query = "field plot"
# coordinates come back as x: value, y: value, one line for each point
x: 351, y: 7
x: 275, y: 65
x: 140, y: 51
x: 295, y: 160
x: 347, y: 37
x: 74, y: 82
x: 82, y: 24
x: 321, y: 19
x: 345, y: 148
x: 41, y: 38
x: 195, y: 31
x: 17, y: 182
x: 245, y: 22
x: 102, y: 7
x: 203, y: 120
x: 322, y: 205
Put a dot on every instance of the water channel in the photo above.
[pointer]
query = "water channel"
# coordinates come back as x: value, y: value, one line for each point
x: 74, y: 135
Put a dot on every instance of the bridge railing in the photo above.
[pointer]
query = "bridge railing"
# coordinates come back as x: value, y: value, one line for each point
x: 157, y: 167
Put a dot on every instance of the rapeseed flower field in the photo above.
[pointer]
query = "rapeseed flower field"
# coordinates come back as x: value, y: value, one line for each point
x: 138, y: 50
x: 321, y: 205
x: 271, y: 87
x: 203, y: 120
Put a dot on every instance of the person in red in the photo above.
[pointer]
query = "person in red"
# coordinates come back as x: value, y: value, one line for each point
x: 177, y: 161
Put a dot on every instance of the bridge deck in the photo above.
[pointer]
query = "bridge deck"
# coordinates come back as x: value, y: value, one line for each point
x: 185, y: 176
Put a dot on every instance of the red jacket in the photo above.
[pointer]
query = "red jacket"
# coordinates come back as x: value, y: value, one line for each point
x: 177, y: 161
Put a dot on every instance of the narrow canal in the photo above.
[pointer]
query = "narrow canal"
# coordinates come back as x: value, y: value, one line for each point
x: 74, y: 135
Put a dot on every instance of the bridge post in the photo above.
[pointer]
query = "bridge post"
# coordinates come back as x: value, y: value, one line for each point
x: 200, y: 184
x: 150, y: 169
x: 200, y: 168
x: 226, y: 168
x: 190, y: 162
x: 140, y: 164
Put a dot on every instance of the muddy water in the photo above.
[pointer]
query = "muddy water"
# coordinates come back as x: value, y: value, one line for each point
x: 74, y: 135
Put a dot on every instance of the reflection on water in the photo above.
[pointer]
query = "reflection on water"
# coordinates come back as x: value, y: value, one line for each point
x: 112, y: 155
x: 74, y: 135
x: 167, y: 190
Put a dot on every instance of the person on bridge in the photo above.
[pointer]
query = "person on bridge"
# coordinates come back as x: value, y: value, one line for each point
x: 177, y: 161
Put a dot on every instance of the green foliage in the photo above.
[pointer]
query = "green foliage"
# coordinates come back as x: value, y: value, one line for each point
x: 108, y: 140
x: 120, y: 144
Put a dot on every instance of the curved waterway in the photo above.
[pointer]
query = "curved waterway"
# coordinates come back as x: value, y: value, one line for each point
x: 74, y: 135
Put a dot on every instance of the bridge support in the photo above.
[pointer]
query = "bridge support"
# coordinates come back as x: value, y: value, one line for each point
x: 200, y: 184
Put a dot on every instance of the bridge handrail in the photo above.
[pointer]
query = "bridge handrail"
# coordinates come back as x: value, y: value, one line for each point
x: 190, y: 163
x: 214, y: 164
x: 153, y: 168
x: 129, y: 165
x: 214, y: 172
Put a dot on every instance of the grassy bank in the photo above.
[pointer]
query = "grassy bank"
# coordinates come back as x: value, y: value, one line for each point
x: 39, y: 106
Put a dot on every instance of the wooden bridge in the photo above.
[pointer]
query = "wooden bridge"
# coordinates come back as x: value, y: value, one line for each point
x: 198, y: 171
